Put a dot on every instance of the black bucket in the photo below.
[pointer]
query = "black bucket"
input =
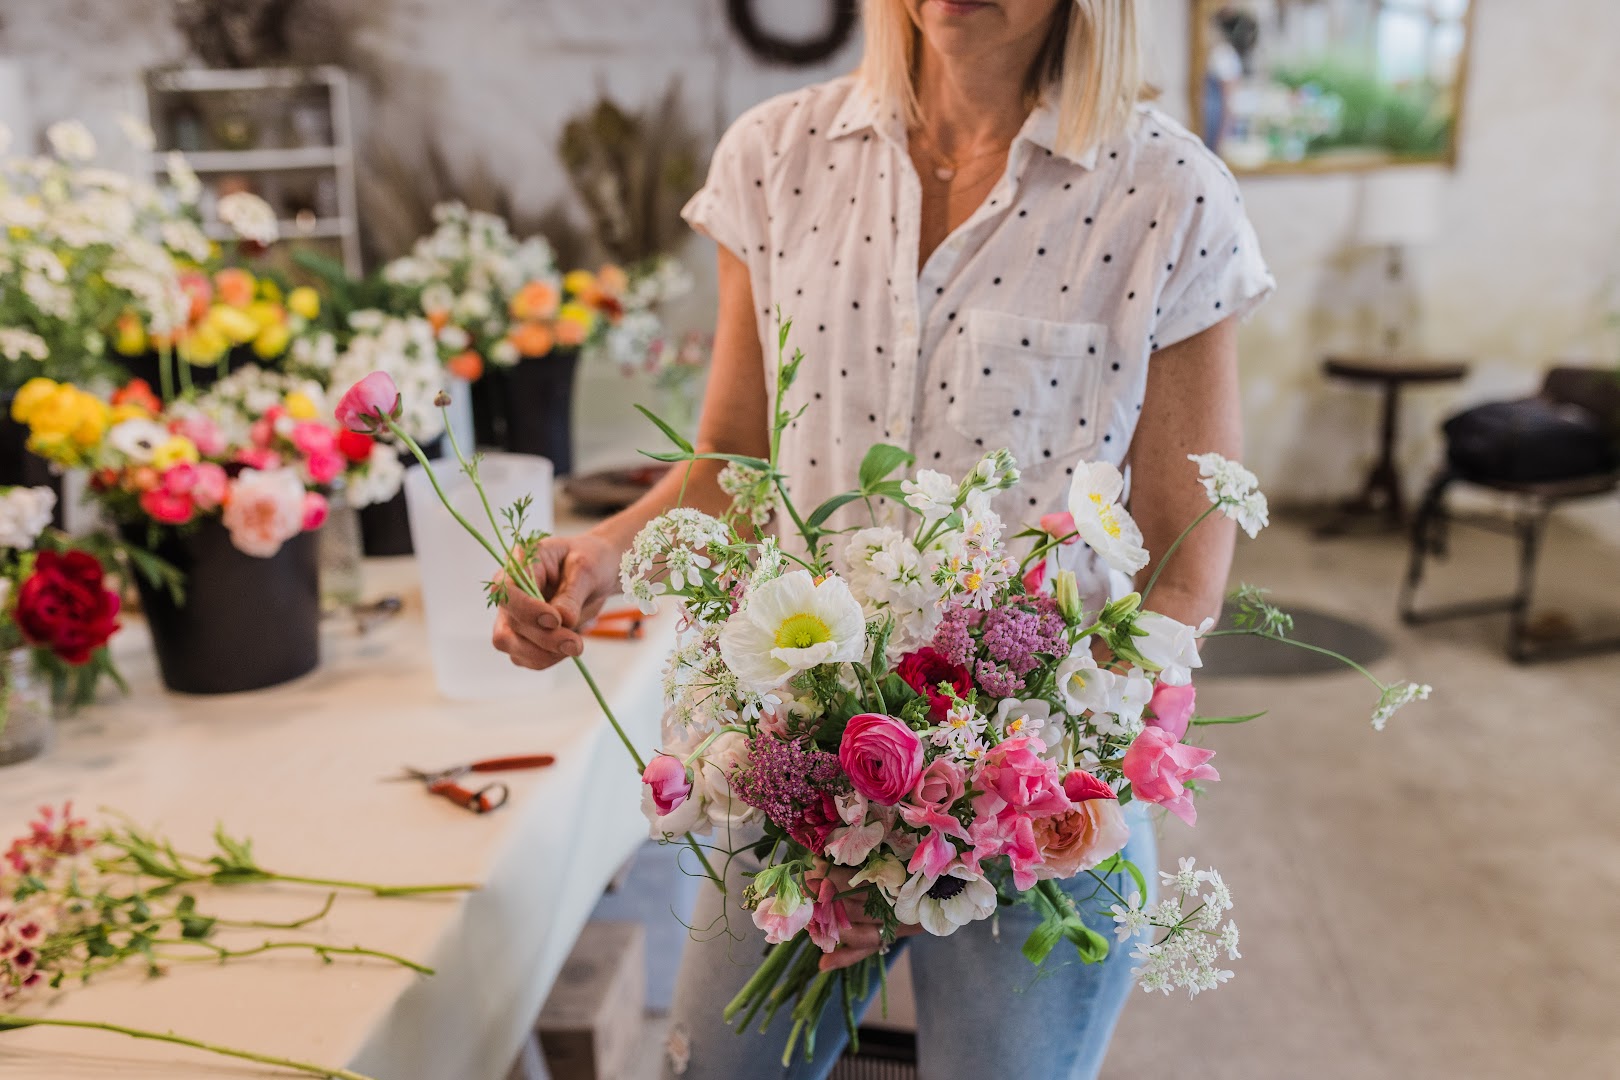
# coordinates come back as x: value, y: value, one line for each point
x: 385, y: 528
x: 540, y: 407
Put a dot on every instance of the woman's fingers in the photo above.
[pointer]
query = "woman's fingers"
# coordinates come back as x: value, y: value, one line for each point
x: 531, y: 647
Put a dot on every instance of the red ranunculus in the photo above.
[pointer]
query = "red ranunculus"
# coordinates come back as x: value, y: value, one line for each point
x: 63, y: 606
x: 925, y: 669
x: 355, y: 446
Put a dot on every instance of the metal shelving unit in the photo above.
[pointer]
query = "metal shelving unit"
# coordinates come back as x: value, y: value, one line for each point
x: 283, y: 133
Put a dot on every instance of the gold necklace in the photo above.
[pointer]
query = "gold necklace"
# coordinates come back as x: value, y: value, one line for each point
x: 945, y: 169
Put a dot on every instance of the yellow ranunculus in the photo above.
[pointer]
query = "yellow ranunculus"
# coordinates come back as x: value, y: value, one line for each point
x: 272, y: 341
x: 63, y: 420
x: 95, y: 416
x: 579, y: 282
x: 172, y: 451
x: 304, y: 301
x: 130, y: 338
x: 235, y: 323
x: 270, y: 290
x: 204, y: 346
x: 267, y: 313
x: 300, y: 407
x: 29, y: 397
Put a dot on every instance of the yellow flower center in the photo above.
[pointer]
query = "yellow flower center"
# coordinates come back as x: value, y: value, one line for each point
x: 972, y: 582
x: 1105, y: 514
x: 801, y: 631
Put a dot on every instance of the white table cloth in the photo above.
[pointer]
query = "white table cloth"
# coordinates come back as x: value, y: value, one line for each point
x: 298, y: 769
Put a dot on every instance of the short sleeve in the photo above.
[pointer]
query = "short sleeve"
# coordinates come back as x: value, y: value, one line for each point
x: 1216, y: 271
x: 730, y: 207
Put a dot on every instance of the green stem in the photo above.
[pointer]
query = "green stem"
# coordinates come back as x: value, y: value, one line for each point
x: 708, y: 741
x: 1171, y: 550
x: 184, y: 369
x: 472, y: 474
x: 323, y: 951
x: 416, y: 452
x: 764, y: 978
x: 166, y: 373
x: 1307, y: 646
x: 1051, y: 543
x: 11, y: 1020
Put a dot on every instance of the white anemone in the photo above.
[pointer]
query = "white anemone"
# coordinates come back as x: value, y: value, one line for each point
x: 1105, y: 525
x: 956, y: 898
x: 791, y: 624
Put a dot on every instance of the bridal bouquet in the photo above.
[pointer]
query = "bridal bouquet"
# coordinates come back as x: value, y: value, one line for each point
x: 910, y: 726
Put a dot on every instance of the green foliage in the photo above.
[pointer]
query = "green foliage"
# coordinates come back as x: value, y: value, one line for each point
x: 1408, y: 120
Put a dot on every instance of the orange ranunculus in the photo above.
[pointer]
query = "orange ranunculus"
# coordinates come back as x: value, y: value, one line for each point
x: 466, y: 365
x: 571, y: 332
x: 536, y: 300
x: 532, y: 339
x: 235, y: 287
x: 438, y: 319
x: 612, y: 280
x: 139, y: 393
x: 201, y: 292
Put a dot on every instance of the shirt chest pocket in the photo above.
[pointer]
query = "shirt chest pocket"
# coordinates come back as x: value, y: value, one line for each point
x: 1031, y: 385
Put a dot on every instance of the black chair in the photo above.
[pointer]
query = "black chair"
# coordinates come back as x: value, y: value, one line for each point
x: 1594, y: 391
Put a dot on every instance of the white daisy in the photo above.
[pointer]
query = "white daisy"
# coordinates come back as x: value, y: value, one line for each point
x: 791, y: 624
x: 942, y: 904
x: 1105, y: 525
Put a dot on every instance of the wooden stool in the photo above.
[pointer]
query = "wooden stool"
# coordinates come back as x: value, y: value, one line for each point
x: 1382, y: 491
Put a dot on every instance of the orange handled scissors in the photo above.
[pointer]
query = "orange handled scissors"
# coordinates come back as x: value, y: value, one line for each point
x: 482, y: 800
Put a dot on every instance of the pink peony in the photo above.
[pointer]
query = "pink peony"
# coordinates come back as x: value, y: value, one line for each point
x: 925, y: 669
x: 203, y: 432
x: 1014, y: 774
x: 1172, y: 709
x: 1060, y: 526
x: 1159, y: 767
x: 208, y: 492
x: 179, y: 479
x: 365, y: 404
x: 264, y: 510
x: 940, y: 784
x: 315, y: 510
x: 882, y: 756
x: 324, y: 466
x: 165, y: 507
x: 1081, y: 786
x: 665, y: 776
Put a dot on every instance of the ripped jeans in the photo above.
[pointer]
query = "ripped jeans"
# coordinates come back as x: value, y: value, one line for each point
x: 982, y: 1009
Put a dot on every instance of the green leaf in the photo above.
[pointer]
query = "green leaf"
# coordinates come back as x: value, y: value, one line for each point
x: 1202, y: 721
x: 196, y: 927
x: 1092, y: 946
x: 890, y: 489
x: 820, y: 514
x: 1042, y: 940
x: 879, y: 462
x: 674, y: 436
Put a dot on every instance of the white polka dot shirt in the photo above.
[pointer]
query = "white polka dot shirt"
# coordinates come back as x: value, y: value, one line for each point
x: 1031, y: 326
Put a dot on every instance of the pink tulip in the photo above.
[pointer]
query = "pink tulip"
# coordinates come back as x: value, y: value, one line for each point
x: 1035, y: 578
x: 1081, y: 786
x: 1159, y: 768
x: 368, y: 401
x: 315, y: 510
x: 1172, y: 709
x: 666, y: 777
x: 1060, y: 527
x: 882, y: 756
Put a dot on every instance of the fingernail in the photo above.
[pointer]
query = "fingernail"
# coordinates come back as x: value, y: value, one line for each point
x: 571, y: 648
x: 548, y: 621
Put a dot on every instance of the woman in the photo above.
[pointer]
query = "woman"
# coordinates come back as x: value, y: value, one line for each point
x: 983, y: 240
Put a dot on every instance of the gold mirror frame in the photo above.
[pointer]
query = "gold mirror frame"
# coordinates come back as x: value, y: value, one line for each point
x: 1202, y: 14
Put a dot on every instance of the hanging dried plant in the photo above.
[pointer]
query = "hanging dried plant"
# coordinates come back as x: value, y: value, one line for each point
x: 236, y: 33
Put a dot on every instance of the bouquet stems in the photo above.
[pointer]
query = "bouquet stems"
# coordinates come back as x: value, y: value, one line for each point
x: 10, y: 1021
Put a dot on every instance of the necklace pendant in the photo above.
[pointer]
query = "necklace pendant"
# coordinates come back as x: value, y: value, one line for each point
x: 945, y: 173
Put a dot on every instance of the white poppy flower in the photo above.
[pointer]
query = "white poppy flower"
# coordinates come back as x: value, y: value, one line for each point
x: 1105, y: 526
x: 790, y: 624
x: 942, y: 904
x: 1170, y: 646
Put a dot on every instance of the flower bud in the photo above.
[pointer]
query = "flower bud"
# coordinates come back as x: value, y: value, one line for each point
x: 441, y: 399
x: 1067, y: 592
x: 1121, y: 609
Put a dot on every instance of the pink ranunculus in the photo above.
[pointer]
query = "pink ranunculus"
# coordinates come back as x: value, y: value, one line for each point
x: 828, y: 918
x: 324, y: 466
x: 264, y: 510
x: 780, y: 928
x: 365, y: 404
x: 666, y: 777
x: 212, y: 483
x: 315, y: 510
x: 882, y: 756
x: 179, y: 479
x: 941, y: 784
x: 165, y: 507
x: 203, y: 433
x: 1081, y: 786
x: 258, y: 457
x: 1014, y: 774
x: 313, y: 438
x: 1081, y: 838
x: 1172, y: 709
x: 1159, y: 767
x: 1060, y: 526
x: 924, y: 670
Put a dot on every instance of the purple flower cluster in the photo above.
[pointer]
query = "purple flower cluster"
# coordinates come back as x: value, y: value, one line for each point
x: 997, y: 681
x: 784, y: 776
x: 952, y: 639
x: 1015, y: 634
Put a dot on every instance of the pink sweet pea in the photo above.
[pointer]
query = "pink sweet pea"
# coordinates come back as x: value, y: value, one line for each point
x: 1060, y: 527
x: 666, y: 777
x: 780, y: 928
x: 1008, y: 833
x: 828, y: 918
x: 1172, y: 709
x: 1159, y: 767
x: 209, y: 490
x: 882, y: 756
x: 166, y: 507
x: 934, y: 855
x: 1014, y: 774
x: 365, y: 404
x: 315, y: 510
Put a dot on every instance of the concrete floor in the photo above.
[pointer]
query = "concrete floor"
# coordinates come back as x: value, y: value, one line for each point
x: 1438, y: 901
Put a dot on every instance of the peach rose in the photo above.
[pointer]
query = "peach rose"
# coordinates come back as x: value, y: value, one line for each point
x: 1081, y: 838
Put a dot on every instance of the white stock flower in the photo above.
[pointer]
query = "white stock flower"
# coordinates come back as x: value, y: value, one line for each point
x: 1395, y: 697
x: 791, y: 624
x: 1235, y: 490
x: 250, y: 217
x: 136, y: 131
x: 71, y: 140
x: 24, y: 514
x: 932, y: 494
x: 1170, y: 647
x: 1105, y: 526
x: 17, y: 343
x: 956, y: 898
x: 185, y: 238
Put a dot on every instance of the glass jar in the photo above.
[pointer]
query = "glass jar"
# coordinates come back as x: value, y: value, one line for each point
x: 25, y: 708
x: 340, y: 554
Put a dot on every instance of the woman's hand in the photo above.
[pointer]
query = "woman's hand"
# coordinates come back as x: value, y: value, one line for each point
x: 863, y: 938
x: 577, y: 574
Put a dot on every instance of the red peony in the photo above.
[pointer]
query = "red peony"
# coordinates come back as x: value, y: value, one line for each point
x: 63, y: 606
x: 925, y: 669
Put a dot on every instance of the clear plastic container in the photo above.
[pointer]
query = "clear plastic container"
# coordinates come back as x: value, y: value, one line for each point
x: 454, y: 569
x: 25, y: 708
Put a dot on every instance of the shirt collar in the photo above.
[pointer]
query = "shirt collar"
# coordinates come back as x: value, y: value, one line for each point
x: 862, y: 111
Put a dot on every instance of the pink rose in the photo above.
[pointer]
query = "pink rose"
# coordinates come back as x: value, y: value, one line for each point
x: 264, y: 510
x: 367, y: 402
x: 203, y: 432
x: 1172, y: 709
x: 324, y: 466
x: 1081, y: 786
x: 315, y: 510
x: 882, y: 756
x: 941, y: 784
x: 1159, y: 767
x: 1060, y: 527
x: 208, y: 492
x: 1081, y: 838
x: 165, y: 507
x: 313, y: 438
x: 666, y: 777
x: 1014, y: 774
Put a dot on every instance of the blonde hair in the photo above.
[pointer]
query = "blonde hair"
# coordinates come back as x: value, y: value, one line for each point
x: 1091, y: 56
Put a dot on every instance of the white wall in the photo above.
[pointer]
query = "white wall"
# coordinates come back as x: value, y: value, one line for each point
x: 1523, y: 273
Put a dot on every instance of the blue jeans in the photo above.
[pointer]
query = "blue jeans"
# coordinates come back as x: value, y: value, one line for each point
x: 982, y: 1009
